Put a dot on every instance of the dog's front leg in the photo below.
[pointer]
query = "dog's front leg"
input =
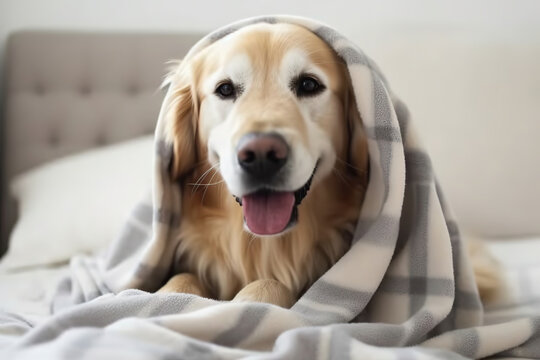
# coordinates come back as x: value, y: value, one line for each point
x: 184, y: 283
x: 266, y: 291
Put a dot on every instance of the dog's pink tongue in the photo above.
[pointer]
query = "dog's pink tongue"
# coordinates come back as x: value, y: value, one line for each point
x: 268, y: 213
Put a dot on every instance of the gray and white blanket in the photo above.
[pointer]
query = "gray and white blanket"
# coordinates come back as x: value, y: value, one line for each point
x: 404, y: 290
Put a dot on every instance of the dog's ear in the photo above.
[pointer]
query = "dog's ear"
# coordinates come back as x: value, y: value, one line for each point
x: 182, y: 121
x: 358, y: 158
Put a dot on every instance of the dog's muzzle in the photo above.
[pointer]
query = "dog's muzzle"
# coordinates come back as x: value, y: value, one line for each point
x: 262, y: 158
x: 268, y: 212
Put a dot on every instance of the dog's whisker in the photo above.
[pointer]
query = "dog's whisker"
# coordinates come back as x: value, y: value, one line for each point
x: 202, y: 163
x: 197, y: 183
x: 210, y: 184
x: 206, y: 187
x: 205, y: 173
x: 220, y: 189
x: 341, y: 177
x: 351, y: 165
x: 251, y: 239
x: 338, y: 173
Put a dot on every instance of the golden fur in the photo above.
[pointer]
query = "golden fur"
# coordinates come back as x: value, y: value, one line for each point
x: 220, y: 258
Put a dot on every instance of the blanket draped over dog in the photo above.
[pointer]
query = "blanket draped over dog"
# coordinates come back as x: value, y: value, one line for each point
x: 405, y: 289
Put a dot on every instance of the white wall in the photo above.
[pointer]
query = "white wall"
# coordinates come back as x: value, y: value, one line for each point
x: 359, y: 19
x: 205, y: 15
x: 348, y: 16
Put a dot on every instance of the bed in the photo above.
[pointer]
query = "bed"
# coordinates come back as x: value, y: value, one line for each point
x: 77, y: 102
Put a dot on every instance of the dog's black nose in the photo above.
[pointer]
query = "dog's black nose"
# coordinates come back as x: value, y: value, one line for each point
x: 262, y: 155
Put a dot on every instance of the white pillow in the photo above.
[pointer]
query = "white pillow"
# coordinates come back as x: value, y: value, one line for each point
x: 77, y: 204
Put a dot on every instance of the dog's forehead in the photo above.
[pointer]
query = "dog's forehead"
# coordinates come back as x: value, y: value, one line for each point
x: 267, y: 45
x: 277, y: 37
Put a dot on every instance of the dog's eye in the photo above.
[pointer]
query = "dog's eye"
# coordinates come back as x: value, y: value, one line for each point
x: 307, y: 85
x: 226, y: 90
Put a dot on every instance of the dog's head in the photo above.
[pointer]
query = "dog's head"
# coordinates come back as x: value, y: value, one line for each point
x: 271, y: 107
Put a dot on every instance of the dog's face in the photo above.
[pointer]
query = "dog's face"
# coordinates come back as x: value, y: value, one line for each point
x: 270, y: 106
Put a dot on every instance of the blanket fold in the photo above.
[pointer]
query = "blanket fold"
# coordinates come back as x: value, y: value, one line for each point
x: 405, y: 287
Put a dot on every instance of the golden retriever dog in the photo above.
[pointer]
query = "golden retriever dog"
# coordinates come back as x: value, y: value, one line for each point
x: 272, y: 161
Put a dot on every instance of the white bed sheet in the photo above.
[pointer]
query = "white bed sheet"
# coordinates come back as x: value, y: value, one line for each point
x: 28, y: 292
x: 517, y: 252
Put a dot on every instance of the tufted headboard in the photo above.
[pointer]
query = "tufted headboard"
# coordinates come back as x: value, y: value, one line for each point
x: 67, y: 92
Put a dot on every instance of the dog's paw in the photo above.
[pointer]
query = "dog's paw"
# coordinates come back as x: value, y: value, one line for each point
x: 266, y: 291
x: 184, y: 283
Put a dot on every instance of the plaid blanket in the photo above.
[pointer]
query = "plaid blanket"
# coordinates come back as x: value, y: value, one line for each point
x: 404, y: 289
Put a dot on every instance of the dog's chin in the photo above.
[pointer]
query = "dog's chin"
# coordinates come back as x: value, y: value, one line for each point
x: 271, y: 213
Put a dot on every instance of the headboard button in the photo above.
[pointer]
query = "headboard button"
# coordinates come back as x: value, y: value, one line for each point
x: 54, y: 139
x: 101, y: 140
x: 39, y: 89
x: 133, y: 90
x: 85, y: 90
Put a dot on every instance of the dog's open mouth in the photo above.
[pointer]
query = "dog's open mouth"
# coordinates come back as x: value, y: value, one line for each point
x: 268, y: 212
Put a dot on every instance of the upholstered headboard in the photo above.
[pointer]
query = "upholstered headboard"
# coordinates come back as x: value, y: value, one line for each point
x: 67, y: 92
